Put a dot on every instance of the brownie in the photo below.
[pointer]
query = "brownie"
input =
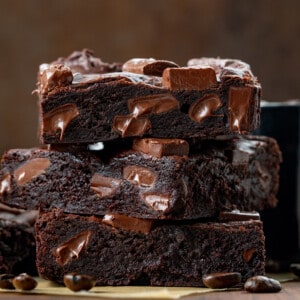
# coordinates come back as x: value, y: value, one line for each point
x: 120, y: 250
x: 147, y: 98
x: 157, y: 179
x: 17, y: 241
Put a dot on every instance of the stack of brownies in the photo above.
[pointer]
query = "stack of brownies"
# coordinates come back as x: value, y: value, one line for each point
x: 147, y: 174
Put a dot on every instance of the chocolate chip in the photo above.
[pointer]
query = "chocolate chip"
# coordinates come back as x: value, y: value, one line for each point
x: 189, y: 78
x: 78, y: 282
x: 6, y: 281
x: 147, y: 66
x: 105, y: 186
x: 140, y: 176
x: 221, y: 280
x: 161, y: 147
x: 295, y: 269
x: 262, y: 284
x: 24, y: 282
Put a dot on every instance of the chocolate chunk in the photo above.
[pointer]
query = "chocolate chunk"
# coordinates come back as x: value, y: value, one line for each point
x: 295, y: 269
x: 221, y: 280
x: 262, y: 284
x: 147, y: 66
x: 78, y: 282
x: 30, y: 170
x: 239, y: 102
x: 52, y: 76
x: 5, y: 184
x: 141, y: 176
x: 59, y: 119
x: 6, y: 281
x: 205, y: 107
x: 152, y: 104
x: 236, y: 215
x: 24, y: 282
x: 248, y: 254
x: 157, y: 201
x: 131, y: 126
x: 161, y: 147
x: 189, y: 78
x: 72, y: 248
x: 105, y: 186
x: 128, y: 223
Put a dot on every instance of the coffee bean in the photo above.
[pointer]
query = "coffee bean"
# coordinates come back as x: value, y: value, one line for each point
x: 24, y: 282
x: 77, y: 282
x: 6, y: 281
x: 221, y: 280
x: 295, y: 269
x: 262, y: 284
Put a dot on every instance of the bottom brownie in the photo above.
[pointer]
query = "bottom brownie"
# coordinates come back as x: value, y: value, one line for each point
x: 17, y: 242
x: 118, y: 250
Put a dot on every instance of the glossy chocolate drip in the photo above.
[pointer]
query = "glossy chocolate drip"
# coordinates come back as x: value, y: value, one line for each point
x: 105, y: 186
x: 72, y: 248
x: 30, y: 170
x: 189, y: 78
x: 147, y: 66
x: 141, y: 176
x: 52, y: 76
x: 205, y: 107
x: 5, y: 186
x: 59, y: 118
x: 157, y: 201
x: 128, y: 223
x: 239, y: 101
x: 152, y: 104
x: 161, y: 147
x: 131, y: 126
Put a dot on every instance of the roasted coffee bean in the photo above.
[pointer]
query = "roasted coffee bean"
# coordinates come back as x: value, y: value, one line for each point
x: 221, y: 280
x: 262, y: 284
x: 77, y: 282
x: 6, y: 281
x: 295, y: 269
x: 24, y: 282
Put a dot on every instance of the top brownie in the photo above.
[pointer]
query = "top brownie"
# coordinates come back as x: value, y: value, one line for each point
x: 84, y: 100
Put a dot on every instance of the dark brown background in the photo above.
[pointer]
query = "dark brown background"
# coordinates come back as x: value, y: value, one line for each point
x: 265, y: 33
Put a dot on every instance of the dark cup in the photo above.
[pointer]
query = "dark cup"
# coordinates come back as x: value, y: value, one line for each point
x: 281, y: 120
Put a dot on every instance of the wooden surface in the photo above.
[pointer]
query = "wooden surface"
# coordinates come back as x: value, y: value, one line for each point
x: 290, y: 291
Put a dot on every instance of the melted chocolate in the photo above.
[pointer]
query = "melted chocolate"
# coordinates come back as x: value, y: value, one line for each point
x: 147, y: 66
x: 131, y: 126
x: 239, y: 101
x: 128, y: 223
x: 72, y: 248
x: 5, y: 184
x: 205, y: 107
x: 157, y: 201
x: 30, y: 170
x: 189, y: 78
x: 236, y: 215
x: 59, y: 118
x: 105, y: 186
x: 152, y: 104
x: 161, y: 147
x: 141, y: 176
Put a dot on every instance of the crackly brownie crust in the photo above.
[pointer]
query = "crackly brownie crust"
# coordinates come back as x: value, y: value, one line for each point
x: 207, y: 98
x: 118, y: 250
x: 220, y: 174
x: 17, y: 241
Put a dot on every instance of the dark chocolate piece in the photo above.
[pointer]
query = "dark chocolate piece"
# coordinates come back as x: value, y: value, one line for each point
x: 262, y: 284
x: 218, y: 175
x: 147, y: 66
x: 170, y: 254
x: 221, y: 280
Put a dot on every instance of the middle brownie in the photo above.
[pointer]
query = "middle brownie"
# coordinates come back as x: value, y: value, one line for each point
x: 217, y: 175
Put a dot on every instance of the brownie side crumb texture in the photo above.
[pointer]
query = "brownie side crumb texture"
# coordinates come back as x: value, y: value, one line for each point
x: 175, y: 254
x: 226, y: 174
